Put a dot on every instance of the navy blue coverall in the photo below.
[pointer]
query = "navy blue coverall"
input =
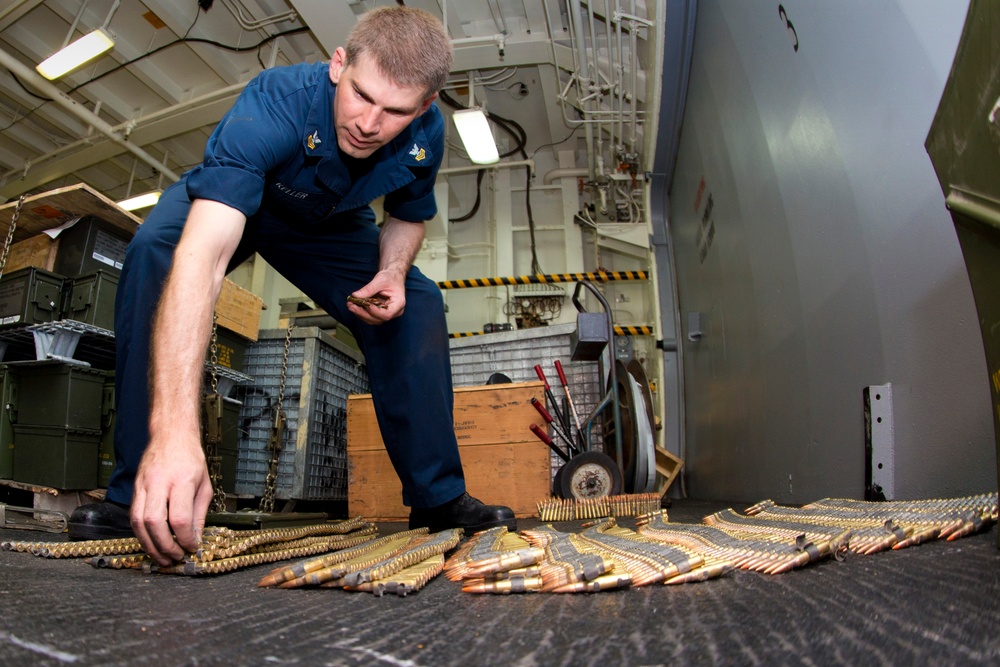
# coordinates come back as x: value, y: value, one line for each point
x: 308, y: 216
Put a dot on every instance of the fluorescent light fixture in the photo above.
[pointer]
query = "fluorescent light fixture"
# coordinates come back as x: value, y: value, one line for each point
x: 140, y: 201
x: 72, y: 56
x: 476, y: 135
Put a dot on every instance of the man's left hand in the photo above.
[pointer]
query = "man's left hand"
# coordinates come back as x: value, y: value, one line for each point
x: 389, y: 288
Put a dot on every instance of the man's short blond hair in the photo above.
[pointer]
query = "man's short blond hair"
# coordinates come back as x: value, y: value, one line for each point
x: 408, y: 45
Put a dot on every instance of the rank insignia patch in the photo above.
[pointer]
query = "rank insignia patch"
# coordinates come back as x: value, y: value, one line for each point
x: 418, y: 153
x: 313, y: 141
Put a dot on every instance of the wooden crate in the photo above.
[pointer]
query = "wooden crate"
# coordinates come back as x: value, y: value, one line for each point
x: 504, y: 463
x: 239, y: 310
x: 57, y: 207
x: 668, y: 467
x: 38, y: 251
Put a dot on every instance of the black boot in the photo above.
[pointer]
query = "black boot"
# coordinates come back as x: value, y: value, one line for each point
x: 463, y: 512
x: 100, y: 521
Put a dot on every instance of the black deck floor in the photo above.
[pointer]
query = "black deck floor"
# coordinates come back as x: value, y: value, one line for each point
x: 934, y: 604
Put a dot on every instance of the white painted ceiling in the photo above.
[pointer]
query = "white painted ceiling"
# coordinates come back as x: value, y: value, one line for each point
x: 134, y: 119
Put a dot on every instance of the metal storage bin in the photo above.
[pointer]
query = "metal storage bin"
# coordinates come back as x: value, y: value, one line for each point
x: 30, y: 296
x: 515, y: 354
x: 62, y: 458
x: 60, y: 394
x: 91, y: 299
x: 92, y: 244
x: 321, y: 373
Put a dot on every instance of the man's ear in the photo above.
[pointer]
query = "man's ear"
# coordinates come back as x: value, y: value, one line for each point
x: 337, y: 64
x: 427, y: 103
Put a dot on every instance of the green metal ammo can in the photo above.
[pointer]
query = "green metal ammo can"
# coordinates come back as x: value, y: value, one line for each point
x: 91, y: 299
x: 8, y: 417
x: 106, y: 449
x: 30, y: 296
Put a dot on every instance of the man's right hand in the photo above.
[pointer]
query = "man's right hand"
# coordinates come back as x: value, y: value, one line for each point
x: 172, y: 496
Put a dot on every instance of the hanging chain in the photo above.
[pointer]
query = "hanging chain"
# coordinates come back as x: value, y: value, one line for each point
x: 277, y: 433
x: 212, y: 439
x: 10, y: 234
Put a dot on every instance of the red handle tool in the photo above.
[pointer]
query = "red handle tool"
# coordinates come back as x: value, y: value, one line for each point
x: 552, y: 399
x: 544, y: 437
x: 569, y: 398
x: 555, y: 425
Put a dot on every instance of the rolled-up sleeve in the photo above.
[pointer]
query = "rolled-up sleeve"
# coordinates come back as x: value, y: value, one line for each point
x: 257, y: 134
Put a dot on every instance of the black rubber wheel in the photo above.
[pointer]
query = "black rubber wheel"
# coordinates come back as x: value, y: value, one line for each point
x: 589, y: 475
x: 557, y: 482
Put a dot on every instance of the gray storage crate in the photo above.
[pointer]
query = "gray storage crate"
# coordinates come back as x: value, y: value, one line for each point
x: 321, y: 373
x: 515, y: 353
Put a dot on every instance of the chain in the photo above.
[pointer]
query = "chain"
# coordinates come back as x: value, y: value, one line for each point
x: 212, y: 406
x: 10, y: 234
x: 277, y: 433
x: 213, y: 357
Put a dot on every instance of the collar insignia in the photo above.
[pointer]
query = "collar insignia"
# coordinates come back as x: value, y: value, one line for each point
x: 313, y: 141
x: 418, y: 153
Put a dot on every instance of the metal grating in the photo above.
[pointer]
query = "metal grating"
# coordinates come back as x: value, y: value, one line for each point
x: 321, y: 373
x: 515, y: 354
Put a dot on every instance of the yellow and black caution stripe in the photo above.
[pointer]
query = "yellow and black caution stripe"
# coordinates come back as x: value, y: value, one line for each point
x: 620, y: 330
x: 633, y: 330
x: 538, y: 278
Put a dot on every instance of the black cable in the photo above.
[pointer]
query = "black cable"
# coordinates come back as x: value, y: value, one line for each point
x: 197, y: 40
x: 479, y: 196
x: 521, y: 139
x: 237, y: 49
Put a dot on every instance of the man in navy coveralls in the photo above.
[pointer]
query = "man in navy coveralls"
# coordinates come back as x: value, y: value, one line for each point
x: 289, y: 173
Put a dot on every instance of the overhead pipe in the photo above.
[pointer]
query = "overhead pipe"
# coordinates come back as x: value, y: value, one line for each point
x: 554, y: 174
x: 616, y: 69
x: 496, y: 165
x: 29, y: 76
x: 576, y: 23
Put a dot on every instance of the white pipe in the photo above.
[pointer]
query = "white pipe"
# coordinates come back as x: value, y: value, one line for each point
x: 615, y: 71
x: 575, y: 172
x: 633, y: 47
x: 250, y: 23
x: 596, y: 86
x: 575, y: 9
x: 477, y: 167
x: 621, y: 83
x: 69, y: 104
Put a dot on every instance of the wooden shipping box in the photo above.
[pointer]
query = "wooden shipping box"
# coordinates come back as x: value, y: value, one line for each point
x: 55, y: 207
x: 505, y: 464
x: 239, y: 310
x: 38, y: 251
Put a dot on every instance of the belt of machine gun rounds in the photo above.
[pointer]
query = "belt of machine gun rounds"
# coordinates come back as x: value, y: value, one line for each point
x: 572, y: 509
x: 399, y: 563
x: 221, y: 550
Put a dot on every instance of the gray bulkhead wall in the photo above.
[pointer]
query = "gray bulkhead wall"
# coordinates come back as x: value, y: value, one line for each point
x: 813, y: 250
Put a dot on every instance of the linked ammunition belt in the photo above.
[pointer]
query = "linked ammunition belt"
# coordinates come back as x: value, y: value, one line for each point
x: 569, y: 509
x: 400, y: 564
x: 496, y: 561
x: 221, y: 550
x: 770, y: 554
x: 769, y: 539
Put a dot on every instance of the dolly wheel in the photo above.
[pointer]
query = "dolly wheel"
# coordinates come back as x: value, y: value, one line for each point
x: 589, y: 475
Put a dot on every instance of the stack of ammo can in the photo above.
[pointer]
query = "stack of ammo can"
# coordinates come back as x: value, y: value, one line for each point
x: 55, y: 429
x: 57, y: 414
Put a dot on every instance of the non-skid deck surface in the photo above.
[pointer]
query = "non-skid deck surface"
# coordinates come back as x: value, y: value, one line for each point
x: 937, y: 603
